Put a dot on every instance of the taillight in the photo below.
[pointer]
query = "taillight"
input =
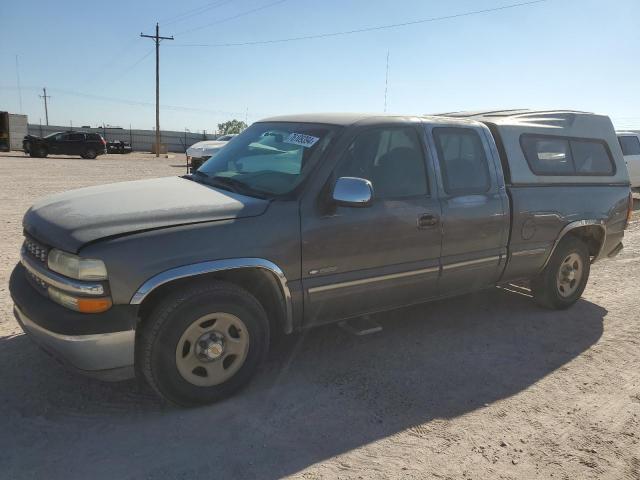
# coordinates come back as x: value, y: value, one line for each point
x: 629, y: 210
x: 104, y: 142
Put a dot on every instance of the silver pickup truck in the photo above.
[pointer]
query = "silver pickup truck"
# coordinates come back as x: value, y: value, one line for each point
x: 309, y: 219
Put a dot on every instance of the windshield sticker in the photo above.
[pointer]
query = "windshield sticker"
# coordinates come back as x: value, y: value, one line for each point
x: 301, y: 139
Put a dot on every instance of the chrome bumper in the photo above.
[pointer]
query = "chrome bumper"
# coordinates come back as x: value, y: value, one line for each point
x: 109, y: 356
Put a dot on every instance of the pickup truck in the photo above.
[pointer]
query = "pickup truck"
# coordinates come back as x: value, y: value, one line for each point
x: 309, y: 219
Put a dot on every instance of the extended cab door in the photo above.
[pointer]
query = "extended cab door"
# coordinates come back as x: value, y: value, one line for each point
x: 475, y: 216
x: 360, y: 260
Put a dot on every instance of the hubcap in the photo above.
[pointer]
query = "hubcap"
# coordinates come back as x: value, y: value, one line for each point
x: 569, y: 275
x: 212, y: 349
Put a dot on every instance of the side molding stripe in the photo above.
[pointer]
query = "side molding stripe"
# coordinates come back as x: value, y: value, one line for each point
x: 216, y: 266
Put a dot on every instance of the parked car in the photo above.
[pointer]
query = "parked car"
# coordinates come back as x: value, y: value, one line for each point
x: 118, y: 146
x: 200, y: 152
x: 310, y: 219
x: 86, y: 145
x: 630, y: 144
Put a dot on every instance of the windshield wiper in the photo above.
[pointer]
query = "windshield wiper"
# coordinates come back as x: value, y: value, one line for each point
x: 236, y: 186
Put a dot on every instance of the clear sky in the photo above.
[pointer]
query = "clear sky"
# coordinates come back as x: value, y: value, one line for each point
x: 579, y: 54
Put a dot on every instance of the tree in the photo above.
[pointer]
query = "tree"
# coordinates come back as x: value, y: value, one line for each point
x: 232, y: 126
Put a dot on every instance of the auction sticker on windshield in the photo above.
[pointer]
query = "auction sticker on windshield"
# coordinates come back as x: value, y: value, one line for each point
x: 301, y: 139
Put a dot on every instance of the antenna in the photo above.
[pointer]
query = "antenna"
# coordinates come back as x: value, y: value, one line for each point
x: 386, y: 83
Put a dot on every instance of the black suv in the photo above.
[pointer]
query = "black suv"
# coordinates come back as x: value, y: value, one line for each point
x: 87, y: 145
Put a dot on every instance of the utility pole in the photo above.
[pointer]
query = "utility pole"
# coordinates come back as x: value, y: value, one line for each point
x: 46, y: 111
x: 156, y: 38
x: 18, y: 79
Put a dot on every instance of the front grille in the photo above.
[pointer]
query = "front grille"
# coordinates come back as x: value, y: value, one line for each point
x: 36, y: 250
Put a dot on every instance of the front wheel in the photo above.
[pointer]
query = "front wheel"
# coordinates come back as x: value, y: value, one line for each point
x: 38, y: 151
x: 203, y: 343
x: 565, y: 277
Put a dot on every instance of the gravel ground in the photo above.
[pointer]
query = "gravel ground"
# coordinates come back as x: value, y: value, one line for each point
x: 485, y: 386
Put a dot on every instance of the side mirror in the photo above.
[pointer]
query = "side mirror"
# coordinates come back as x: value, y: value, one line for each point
x: 353, y: 192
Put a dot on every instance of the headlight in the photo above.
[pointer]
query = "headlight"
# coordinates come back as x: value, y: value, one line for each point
x: 76, y: 267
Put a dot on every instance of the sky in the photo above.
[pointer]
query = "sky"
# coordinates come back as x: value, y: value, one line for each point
x: 577, y: 54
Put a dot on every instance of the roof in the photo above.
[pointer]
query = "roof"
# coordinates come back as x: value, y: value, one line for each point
x: 532, y: 118
x: 342, y: 119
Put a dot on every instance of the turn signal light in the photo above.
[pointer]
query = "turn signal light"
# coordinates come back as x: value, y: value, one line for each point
x: 80, y: 304
x: 94, y: 305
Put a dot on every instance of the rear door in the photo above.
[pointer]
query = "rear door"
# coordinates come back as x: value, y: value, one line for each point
x: 475, y: 217
x: 631, y: 150
x: 359, y: 260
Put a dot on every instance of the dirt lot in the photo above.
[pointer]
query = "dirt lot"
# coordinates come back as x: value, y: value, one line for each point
x: 487, y: 386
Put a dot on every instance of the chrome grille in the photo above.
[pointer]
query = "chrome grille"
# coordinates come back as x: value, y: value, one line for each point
x: 36, y: 250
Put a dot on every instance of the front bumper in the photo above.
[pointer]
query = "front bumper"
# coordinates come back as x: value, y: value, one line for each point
x: 99, y: 345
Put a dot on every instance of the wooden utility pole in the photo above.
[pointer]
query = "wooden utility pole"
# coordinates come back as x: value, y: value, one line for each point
x: 156, y: 38
x: 46, y: 111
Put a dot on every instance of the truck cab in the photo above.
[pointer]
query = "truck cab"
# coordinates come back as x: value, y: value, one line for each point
x: 312, y: 219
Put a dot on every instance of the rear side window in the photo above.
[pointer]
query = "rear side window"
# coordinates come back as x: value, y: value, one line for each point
x: 630, y: 145
x: 563, y: 156
x: 76, y: 137
x: 463, y: 162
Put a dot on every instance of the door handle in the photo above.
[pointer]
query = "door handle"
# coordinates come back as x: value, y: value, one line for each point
x: 427, y: 220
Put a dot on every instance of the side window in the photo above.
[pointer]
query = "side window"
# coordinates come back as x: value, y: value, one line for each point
x: 548, y: 156
x: 463, y: 161
x: 630, y: 145
x: 562, y: 156
x: 591, y: 158
x: 391, y: 158
x: 76, y: 137
x: 61, y: 137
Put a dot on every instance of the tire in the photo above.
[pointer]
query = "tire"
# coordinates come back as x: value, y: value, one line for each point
x: 38, y: 151
x: 175, y: 360
x: 90, y: 153
x: 565, y: 277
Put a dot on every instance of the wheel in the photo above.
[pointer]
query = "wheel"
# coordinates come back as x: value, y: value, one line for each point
x: 90, y: 153
x: 565, y: 277
x: 38, y: 151
x: 203, y: 343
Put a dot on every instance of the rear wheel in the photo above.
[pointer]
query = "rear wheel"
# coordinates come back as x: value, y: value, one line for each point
x: 565, y: 277
x: 202, y: 344
x: 90, y: 153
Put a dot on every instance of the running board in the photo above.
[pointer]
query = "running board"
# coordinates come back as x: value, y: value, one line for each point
x: 360, y: 326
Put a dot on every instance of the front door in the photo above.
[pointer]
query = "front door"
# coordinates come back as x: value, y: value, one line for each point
x: 474, y: 208
x: 360, y: 260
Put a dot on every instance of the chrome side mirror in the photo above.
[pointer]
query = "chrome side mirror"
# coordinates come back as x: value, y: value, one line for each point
x: 353, y: 192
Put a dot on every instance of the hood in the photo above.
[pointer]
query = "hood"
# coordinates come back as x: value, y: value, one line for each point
x: 205, y: 148
x: 71, y: 219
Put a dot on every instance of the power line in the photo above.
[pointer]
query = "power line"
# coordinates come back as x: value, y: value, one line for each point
x: 233, y: 17
x: 364, y: 29
x: 195, y: 11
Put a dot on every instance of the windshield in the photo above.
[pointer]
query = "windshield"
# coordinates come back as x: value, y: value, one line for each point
x: 270, y: 158
x: 51, y: 135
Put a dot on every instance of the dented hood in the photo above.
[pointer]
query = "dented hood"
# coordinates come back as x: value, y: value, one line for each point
x: 71, y: 219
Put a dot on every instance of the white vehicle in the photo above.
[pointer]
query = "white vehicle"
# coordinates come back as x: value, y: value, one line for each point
x: 202, y: 151
x: 630, y: 143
